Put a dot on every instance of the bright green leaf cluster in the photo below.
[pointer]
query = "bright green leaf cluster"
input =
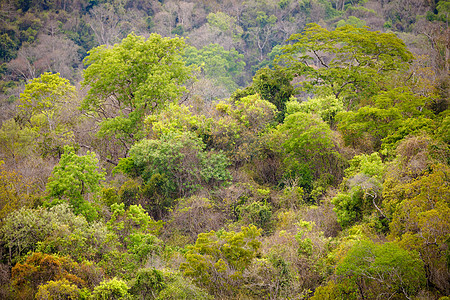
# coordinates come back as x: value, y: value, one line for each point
x: 151, y: 75
x: 371, y: 269
x: 393, y: 115
x: 111, y: 289
x: 217, y: 259
x: 358, y: 64
x: 327, y: 107
x: 73, y: 179
x: 181, y: 158
x: 308, y: 144
x: 362, y: 189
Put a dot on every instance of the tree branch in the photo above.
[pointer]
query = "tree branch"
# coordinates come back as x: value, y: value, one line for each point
x: 320, y: 59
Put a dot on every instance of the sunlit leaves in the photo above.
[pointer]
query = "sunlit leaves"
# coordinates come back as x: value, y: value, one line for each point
x: 45, y: 94
x: 386, y: 269
x: 178, y: 118
x: 326, y: 107
x: 73, y: 179
x: 47, y: 106
x: 217, y: 260
x: 362, y: 189
x: 151, y: 74
x: 58, y: 289
x: 349, y: 62
x: 132, y: 220
x: 182, y: 159
x: 111, y: 289
x: 309, y: 144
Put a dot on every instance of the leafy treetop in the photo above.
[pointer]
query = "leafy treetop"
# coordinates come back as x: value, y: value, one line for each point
x: 73, y: 178
x: 130, y: 80
x: 349, y: 62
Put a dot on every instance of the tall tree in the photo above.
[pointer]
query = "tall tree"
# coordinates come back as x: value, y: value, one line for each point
x: 217, y: 261
x: 130, y: 80
x: 73, y: 179
x: 350, y: 62
x: 421, y: 220
x: 386, y: 270
x: 47, y: 107
x: 309, y: 148
x: 274, y: 86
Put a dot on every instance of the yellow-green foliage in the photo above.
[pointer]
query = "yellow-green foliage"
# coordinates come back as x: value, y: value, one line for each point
x: 217, y: 260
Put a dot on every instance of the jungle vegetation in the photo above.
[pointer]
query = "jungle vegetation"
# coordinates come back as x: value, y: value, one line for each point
x: 260, y: 149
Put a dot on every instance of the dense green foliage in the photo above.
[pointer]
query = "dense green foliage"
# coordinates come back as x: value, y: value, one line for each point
x: 73, y: 179
x: 265, y: 149
x: 354, y: 63
x: 370, y: 269
x: 180, y: 159
x: 151, y: 74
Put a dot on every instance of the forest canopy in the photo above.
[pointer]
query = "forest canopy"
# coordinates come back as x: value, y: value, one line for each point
x: 266, y: 149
